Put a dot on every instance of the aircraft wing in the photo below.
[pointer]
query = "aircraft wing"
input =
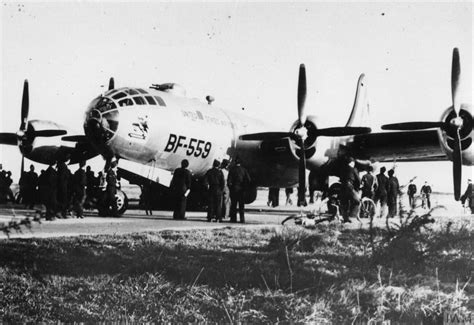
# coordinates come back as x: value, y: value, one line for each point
x: 414, y: 146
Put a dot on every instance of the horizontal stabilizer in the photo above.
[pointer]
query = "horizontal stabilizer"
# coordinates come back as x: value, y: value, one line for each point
x: 8, y: 138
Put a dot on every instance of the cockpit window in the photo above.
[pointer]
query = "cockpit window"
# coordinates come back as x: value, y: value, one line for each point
x: 119, y: 95
x: 131, y: 91
x: 139, y: 100
x: 142, y: 91
x: 160, y: 101
x: 105, y: 104
x: 150, y: 100
x: 125, y: 102
x: 110, y: 92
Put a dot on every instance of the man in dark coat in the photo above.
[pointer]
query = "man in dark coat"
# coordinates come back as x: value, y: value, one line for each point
x: 214, y: 181
x: 51, y: 190
x: 411, y: 194
x: 180, y: 187
x: 380, y: 194
x: 426, y: 192
x: 237, y: 181
x: 79, y: 190
x: 369, y: 184
x: 392, y: 193
x: 469, y: 195
x: 350, y: 184
x: 29, y: 184
x: 110, y: 201
x: 64, y: 175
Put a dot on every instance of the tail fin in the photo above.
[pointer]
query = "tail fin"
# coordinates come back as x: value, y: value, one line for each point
x: 360, y: 115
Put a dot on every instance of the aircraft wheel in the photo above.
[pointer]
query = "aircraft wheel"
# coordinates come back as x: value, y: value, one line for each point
x: 367, y: 208
x: 122, y: 202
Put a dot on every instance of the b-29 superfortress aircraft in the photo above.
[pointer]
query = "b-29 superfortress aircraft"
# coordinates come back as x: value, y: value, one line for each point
x: 149, y: 131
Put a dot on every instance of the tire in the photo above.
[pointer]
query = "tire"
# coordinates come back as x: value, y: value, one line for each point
x: 122, y: 202
x: 367, y: 208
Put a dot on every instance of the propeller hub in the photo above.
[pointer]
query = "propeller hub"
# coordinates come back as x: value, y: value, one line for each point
x: 302, y: 132
x: 457, y: 122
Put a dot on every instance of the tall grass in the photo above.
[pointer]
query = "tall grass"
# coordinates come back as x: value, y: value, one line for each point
x: 326, y: 275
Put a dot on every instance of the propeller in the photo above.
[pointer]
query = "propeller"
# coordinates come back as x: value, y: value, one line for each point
x: 453, y: 125
x: 301, y: 132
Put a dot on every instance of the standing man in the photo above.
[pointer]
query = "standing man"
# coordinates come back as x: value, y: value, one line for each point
x: 51, y: 190
x: 214, y: 180
x: 63, y: 186
x: 226, y: 193
x: 111, y: 190
x: 369, y: 183
x: 79, y: 190
x: 29, y: 185
x: 426, y: 193
x: 180, y: 187
x: 312, y: 182
x: 381, y: 191
x: 411, y: 194
x: 238, y: 181
x: 469, y: 195
x: 350, y: 184
x: 392, y: 193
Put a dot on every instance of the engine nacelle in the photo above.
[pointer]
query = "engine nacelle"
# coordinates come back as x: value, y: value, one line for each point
x: 466, y: 134
x: 44, y: 150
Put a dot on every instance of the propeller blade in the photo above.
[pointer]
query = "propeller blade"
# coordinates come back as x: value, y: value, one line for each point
x: 413, y: 126
x: 25, y: 103
x: 302, y: 175
x: 342, y: 131
x: 301, y: 94
x: 47, y: 133
x: 457, y: 166
x: 76, y: 138
x: 455, y: 73
x: 22, y: 164
x: 263, y: 136
x: 8, y: 138
x: 111, y: 84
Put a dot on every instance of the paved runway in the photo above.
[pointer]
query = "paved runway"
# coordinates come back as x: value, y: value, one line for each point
x: 257, y: 215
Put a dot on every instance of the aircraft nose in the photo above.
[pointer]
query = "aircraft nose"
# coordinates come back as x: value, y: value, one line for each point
x: 102, y: 123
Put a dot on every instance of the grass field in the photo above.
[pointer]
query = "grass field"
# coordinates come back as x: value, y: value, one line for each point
x: 324, y: 275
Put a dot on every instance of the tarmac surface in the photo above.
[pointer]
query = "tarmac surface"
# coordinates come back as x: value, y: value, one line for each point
x: 257, y: 214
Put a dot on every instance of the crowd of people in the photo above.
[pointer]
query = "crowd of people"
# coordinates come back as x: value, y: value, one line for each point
x: 60, y: 193
x: 226, y: 186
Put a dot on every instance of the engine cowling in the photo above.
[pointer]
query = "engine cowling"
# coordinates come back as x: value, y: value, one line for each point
x: 466, y: 134
x: 42, y: 149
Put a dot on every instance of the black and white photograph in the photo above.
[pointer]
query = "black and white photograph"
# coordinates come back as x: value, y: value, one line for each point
x: 236, y: 162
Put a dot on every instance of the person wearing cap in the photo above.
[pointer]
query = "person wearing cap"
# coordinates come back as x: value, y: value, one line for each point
x: 238, y: 181
x: 411, y: 194
x: 426, y: 193
x: 392, y: 193
x: 469, y: 195
x: 380, y: 195
x: 180, y: 187
x: 214, y: 182
x: 110, y: 201
x: 368, y: 183
x: 350, y: 184
x: 226, y: 192
x: 79, y: 190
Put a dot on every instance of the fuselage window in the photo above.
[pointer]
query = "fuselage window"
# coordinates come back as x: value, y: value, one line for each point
x: 150, y: 100
x: 119, y: 95
x: 125, y: 102
x: 105, y: 104
x: 139, y: 100
x: 131, y: 91
x: 142, y: 91
x: 160, y: 101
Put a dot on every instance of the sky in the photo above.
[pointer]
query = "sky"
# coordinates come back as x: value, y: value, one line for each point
x: 245, y: 54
